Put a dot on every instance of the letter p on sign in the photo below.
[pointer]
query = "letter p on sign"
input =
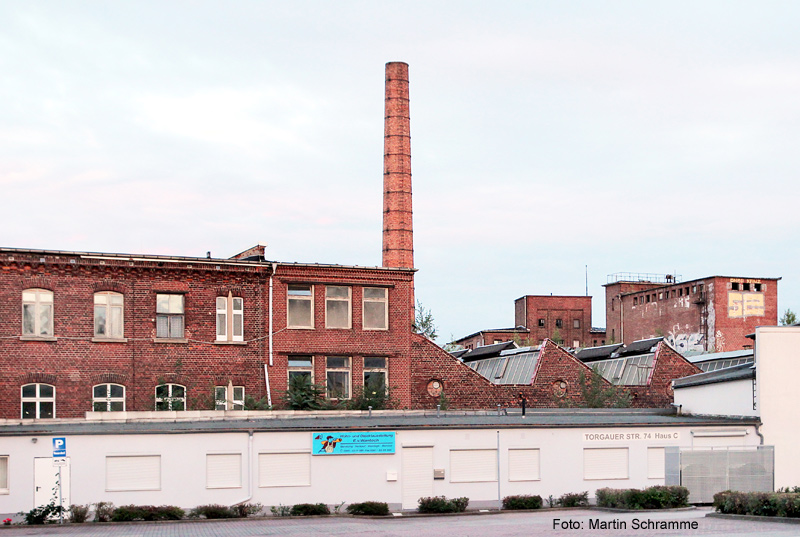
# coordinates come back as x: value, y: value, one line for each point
x: 59, y: 447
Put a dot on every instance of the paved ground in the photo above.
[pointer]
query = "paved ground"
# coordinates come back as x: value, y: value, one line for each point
x: 506, y: 524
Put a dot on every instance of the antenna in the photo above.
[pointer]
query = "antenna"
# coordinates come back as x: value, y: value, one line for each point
x: 587, y: 280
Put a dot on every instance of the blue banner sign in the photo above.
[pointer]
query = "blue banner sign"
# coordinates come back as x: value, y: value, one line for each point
x: 333, y: 443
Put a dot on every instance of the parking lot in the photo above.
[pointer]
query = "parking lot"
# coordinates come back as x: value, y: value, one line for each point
x: 543, y: 523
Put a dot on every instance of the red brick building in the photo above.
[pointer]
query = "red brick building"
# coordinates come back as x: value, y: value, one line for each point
x: 707, y: 314
x: 564, y: 318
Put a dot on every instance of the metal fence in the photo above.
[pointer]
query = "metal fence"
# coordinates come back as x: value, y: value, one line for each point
x: 706, y: 471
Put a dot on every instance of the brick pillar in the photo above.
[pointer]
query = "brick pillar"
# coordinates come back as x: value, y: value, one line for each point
x: 398, y: 241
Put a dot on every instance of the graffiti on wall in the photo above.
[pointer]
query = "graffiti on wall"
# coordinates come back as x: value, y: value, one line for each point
x: 686, y: 342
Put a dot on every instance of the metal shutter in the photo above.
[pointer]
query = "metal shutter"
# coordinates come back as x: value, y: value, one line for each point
x: 523, y: 465
x: 655, y: 463
x: 135, y: 472
x: 284, y: 469
x: 417, y: 475
x: 605, y: 463
x: 473, y: 465
x: 224, y: 471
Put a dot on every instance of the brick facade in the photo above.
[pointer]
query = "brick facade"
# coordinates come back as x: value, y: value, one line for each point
x: 703, y: 315
x: 542, y: 314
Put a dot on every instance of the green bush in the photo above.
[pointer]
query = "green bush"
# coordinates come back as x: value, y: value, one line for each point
x: 440, y: 504
x: 126, y: 513
x: 574, y: 499
x: 212, y: 511
x: 281, y: 510
x: 42, y: 514
x: 780, y: 504
x: 78, y: 513
x: 522, y: 501
x: 369, y: 508
x: 244, y: 510
x: 657, y: 497
x: 103, y: 511
x: 309, y: 509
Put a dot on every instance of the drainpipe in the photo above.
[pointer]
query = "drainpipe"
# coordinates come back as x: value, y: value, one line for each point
x: 758, y: 432
x: 266, y: 372
x: 250, y: 467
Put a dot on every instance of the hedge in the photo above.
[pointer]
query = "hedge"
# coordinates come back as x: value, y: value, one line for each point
x: 440, y: 504
x: 778, y: 504
x: 369, y: 508
x: 309, y: 509
x: 522, y: 501
x: 658, y: 497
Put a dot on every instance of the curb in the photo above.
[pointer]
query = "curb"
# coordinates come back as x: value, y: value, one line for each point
x: 755, y: 518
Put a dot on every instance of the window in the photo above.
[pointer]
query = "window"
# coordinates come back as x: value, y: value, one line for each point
x: 694, y: 288
x: 576, y: 323
x: 38, y: 401
x: 661, y: 295
x: 37, y: 313
x: 559, y: 323
x: 139, y: 472
x: 337, y: 374
x: 735, y: 286
x: 523, y: 465
x: 108, y: 398
x: 300, y: 311
x: 108, y: 315
x: 655, y: 463
x: 170, y: 397
x: 337, y: 307
x: 576, y: 343
x: 230, y: 318
x: 745, y: 287
x: 224, y: 471
x: 605, y: 463
x: 541, y: 323
x: 169, y: 316
x: 375, y: 373
x: 284, y: 469
x: 376, y: 310
x: 473, y: 465
x: 225, y: 401
x: 635, y: 300
x: 757, y: 287
x: 301, y: 366
x: 4, y: 474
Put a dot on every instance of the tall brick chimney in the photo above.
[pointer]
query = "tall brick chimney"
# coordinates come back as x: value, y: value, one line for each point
x: 398, y: 236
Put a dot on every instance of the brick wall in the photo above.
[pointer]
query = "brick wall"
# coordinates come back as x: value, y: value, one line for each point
x: 530, y: 309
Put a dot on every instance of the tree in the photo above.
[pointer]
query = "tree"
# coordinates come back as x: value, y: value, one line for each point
x: 424, y: 323
x: 557, y: 339
x: 788, y: 318
x: 596, y: 395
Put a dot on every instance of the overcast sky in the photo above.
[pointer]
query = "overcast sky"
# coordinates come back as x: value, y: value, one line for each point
x: 657, y: 137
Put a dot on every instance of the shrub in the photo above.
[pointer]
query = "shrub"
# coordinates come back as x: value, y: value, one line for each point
x: 309, y: 509
x: 369, y: 508
x: 574, y: 499
x: 103, y: 511
x: 280, y: 510
x: 440, y: 504
x: 126, y: 513
x: 212, y: 511
x: 522, y: 501
x: 244, y: 510
x: 781, y: 504
x: 42, y: 514
x: 78, y: 513
x: 657, y: 497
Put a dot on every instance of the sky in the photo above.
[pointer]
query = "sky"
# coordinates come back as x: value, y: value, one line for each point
x: 553, y: 143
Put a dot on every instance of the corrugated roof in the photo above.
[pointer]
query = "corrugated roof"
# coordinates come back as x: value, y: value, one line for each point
x: 739, y: 372
x: 597, y: 353
x: 640, y: 346
x: 626, y: 371
x: 513, y: 368
x: 486, y: 351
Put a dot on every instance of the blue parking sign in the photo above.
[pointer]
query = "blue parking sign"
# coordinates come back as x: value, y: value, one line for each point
x: 59, y: 447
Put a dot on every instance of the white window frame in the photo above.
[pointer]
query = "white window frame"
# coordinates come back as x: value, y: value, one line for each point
x: 331, y: 300
x: 38, y: 399
x: 295, y: 295
x: 170, y: 400
x: 41, y: 301
x: 221, y: 400
x: 103, y: 302
x: 524, y: 464
x: 347, y: 369
x: 299, y: 369
x: 230, y: 318
x: 592, y: 467
x: 133, y: 472
x: 284, y: 469
x: 175, y: 309
x: 4, y: 474
x: 656, y: 468
x: 371, y: 300
x: 473, y: 465
x: 223, y: 470
x: 107, y: 399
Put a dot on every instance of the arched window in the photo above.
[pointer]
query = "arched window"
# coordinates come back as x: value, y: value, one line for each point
x: 108, y: 398
x: 37, y: 313
x: 170, y: 397
x: 38, y: 401
x: 108, y: 315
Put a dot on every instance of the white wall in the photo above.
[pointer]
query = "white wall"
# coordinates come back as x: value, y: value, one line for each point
x: 339, y: 478
x: 778, y: 398
x: 733, y: 398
